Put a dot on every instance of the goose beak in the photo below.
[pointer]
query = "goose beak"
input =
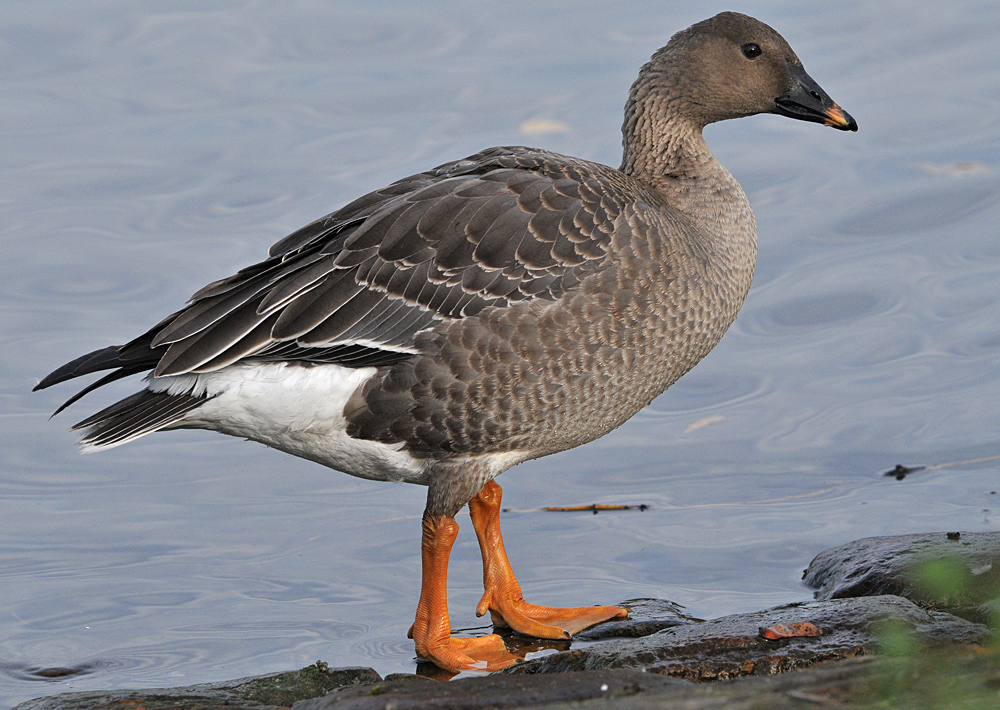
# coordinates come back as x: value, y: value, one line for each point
x: 839, y: 118
x: 808, y: 102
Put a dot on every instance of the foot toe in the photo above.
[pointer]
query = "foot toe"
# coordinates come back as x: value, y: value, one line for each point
x: 486, y: 653
x: 555, y: 623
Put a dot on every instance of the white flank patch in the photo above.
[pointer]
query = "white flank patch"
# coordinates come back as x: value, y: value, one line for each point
x: 295, y: 409
x: 498, y: 463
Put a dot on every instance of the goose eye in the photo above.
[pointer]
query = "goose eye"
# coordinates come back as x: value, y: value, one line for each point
x: 751, y: 50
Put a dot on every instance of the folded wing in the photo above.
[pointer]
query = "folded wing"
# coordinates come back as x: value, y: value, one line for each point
x: 355, y: 287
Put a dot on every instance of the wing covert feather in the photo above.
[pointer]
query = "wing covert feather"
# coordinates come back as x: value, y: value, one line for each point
x: 502, y: 226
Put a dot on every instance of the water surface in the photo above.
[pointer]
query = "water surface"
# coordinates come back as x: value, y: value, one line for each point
x: 148, y: 150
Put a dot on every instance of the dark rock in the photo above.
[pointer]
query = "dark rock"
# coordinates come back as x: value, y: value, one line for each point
x: 944, y: 679
x: 495, y: 691
x: 732, y: 646
x: 285, y: 689
x: 646, y: 616
x: 267, y: 692
x: 31, y: 673
x: 407, y: 677
x: 957, y: 572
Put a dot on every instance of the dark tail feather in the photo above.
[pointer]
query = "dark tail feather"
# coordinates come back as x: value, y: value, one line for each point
x: 130, y: 359
x: 135, y: 416
x: 111, y: 377
x: 103, y: 359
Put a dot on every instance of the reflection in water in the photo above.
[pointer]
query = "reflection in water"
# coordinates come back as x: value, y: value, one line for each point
x: 151, y: 150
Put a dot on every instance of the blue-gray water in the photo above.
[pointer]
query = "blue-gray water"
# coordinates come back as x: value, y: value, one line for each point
x: 148, y: 148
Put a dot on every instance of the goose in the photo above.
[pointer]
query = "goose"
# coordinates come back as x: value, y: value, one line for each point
x: 495, y: 309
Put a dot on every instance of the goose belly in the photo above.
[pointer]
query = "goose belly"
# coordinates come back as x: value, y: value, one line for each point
x: 296, y: 409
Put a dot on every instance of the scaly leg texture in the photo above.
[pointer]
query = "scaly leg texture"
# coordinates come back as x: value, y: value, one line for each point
x: 503, y: 598
x: 431, y: 631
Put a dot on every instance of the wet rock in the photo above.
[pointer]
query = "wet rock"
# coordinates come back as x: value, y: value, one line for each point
x: 950, y: 678
x: 646, y: 616
x: 285, y: 689
x: 957, y: 572
x: 946, y: 679
x: 732, y: 646
x: 267, y: 692
x: 407, y: 677
x: 25, y: 672
x: 495, y: 691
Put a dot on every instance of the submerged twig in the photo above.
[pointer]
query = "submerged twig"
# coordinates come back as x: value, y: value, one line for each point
x: 594, y: 508
x: 900, y: 471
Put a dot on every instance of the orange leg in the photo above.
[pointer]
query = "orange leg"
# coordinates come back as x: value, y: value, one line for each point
x: 431, y: 631
x: 503, y: 598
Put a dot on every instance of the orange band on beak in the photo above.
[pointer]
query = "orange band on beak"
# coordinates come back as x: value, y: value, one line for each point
x: 835, y: 117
